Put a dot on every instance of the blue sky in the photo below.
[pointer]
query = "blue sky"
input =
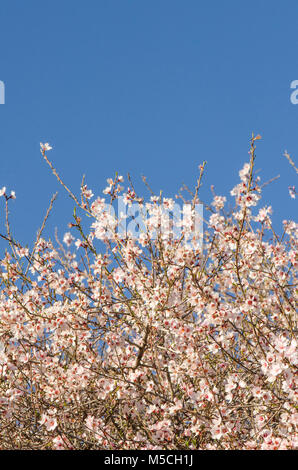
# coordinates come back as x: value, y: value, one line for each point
x: 149, y: 88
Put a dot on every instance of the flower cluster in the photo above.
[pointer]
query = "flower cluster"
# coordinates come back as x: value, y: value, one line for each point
x: 121, y: 342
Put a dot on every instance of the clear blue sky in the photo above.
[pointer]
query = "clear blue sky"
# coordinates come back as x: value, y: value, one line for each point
x: 151, y: 88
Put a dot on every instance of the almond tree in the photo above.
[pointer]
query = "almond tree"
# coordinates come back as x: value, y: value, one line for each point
x: 121, y: 340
